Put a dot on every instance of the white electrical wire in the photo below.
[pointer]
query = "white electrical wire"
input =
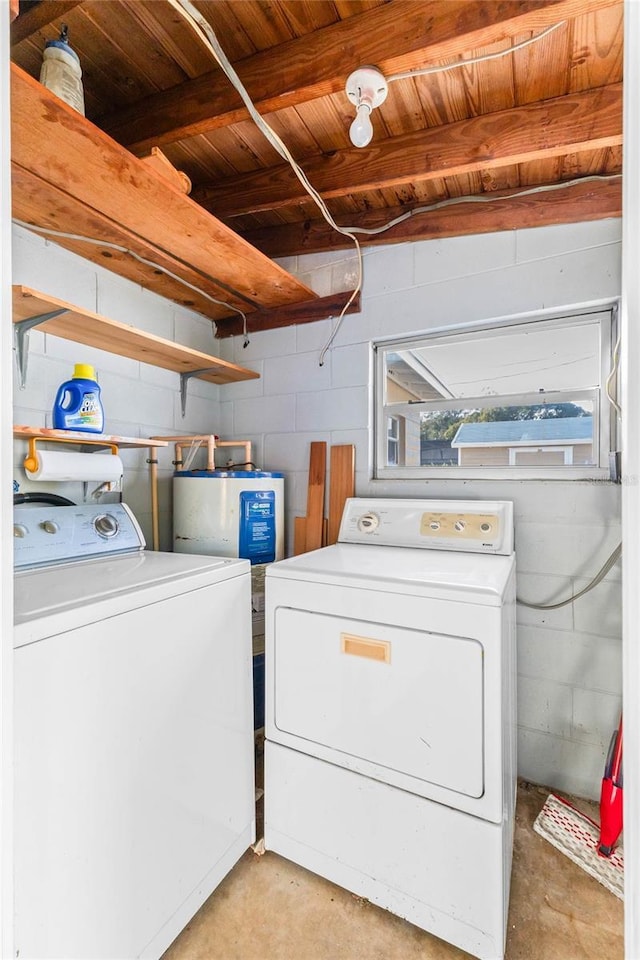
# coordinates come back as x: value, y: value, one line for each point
x: 416, y: 211
x: 204, y: 30
x: 483, y: 198
x: 604, y: 570
x: 206, y: 34
x: 342, y: 313
x: 467, y: 63
x: 613, y: 376
x: 136, y: 256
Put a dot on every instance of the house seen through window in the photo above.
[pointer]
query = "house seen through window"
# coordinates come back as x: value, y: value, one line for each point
x: 523, y: 398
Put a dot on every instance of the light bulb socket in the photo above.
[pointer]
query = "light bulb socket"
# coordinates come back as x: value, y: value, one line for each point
x: 367, y: 85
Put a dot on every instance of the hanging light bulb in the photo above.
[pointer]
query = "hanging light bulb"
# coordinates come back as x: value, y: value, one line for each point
x: 366, y: 88
x: 361, y: 130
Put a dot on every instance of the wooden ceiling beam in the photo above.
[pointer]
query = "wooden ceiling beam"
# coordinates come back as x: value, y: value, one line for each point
x: 287, y: 316
x: 590, y: 120
x: 38, y: 17
x: 503, y: 210
x: 398, y: 36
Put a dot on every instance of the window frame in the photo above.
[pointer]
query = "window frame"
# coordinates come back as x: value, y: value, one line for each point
x: 605, y: 425
x: 566, y: 451
x: 394, y: 439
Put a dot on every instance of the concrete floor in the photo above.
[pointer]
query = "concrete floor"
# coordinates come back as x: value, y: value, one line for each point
x: 271, y: 909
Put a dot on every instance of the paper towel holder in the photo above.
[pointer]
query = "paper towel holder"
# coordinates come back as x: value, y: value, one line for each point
x: 30, y: 462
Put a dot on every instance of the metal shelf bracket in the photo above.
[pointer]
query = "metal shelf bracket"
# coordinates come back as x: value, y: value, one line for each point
x: 184, y: 382
x: 21, y: 332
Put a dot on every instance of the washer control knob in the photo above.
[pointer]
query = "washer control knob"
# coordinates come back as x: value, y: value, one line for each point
x: 368, y: 522
x: 434, y: 525
x: 459, y: 526
x: 485, y: 527
x: 50, y: 526
x: 19, y: 530
x: 106, y: 526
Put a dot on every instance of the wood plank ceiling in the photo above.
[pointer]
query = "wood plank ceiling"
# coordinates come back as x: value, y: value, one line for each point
x: 546, y: 115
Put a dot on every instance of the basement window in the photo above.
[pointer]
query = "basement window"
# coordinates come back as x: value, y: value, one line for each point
x: 517, y: 399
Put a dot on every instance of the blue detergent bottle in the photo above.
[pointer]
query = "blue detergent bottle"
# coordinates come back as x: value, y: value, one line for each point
x: 77, y: 405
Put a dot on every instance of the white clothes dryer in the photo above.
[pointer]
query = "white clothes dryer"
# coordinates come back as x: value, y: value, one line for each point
x: 390, y: 762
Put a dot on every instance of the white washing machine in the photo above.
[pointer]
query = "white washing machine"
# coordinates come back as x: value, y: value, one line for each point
x: 390, y: 762
x: 134, y: 790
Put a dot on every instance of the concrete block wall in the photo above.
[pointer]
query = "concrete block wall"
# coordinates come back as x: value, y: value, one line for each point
x: 140, y: 400
x: 570, y: 659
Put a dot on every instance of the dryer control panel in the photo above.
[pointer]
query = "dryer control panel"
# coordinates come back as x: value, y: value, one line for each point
x: 471, y: 526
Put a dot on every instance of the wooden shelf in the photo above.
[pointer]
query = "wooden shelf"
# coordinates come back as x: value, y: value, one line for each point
x: 71, y: 177
x: 74, y: 436
x: 33, y: 309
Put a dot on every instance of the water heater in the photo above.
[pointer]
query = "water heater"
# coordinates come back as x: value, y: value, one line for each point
x: 229, y: 513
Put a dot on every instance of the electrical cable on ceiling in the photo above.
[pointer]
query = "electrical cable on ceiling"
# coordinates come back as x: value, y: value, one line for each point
x: 483, y: 198
x: 416, y: 211
x: 424, y: 71
x: 206, y: 34
x: 367, y: 87
x: 204, y: 30
x: 490, y: 198
x: 149, y: 263
x: 604, y: 570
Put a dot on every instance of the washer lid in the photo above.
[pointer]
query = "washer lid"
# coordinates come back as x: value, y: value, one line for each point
x: 467, y: 577
x: 51, y: 600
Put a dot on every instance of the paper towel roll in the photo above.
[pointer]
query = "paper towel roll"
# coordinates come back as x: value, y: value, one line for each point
x: 54, y: 465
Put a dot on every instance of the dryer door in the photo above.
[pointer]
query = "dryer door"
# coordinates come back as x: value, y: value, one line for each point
x: 378, y: 698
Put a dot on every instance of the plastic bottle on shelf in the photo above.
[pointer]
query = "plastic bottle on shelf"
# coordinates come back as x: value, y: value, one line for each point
x: 61, y: 71
x: 78, y: 405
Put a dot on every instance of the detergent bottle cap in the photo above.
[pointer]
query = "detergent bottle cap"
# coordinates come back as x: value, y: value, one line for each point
x: 84, y: 371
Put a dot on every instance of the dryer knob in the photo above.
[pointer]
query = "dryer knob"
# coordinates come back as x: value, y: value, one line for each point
x: 20, y: 530
x: 50, y: 526
x: 368, y: 522
x: 106, y: 526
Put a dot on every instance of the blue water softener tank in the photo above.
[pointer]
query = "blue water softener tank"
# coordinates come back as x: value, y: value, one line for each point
x: 229, y: 513
x: 78, y: 405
